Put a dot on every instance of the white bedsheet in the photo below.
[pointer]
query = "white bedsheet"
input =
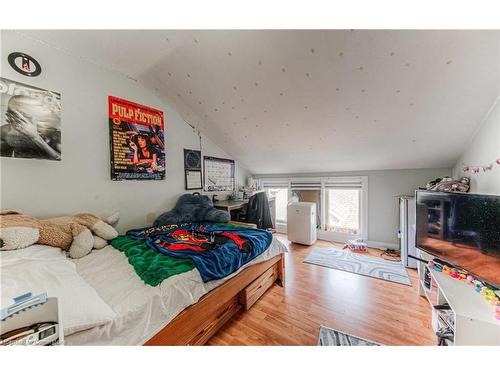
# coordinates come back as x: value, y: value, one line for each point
x: 142, y: 310
x: 39, y: 269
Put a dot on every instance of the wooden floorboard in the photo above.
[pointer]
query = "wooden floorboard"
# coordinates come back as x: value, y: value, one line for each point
x: 389, y: 313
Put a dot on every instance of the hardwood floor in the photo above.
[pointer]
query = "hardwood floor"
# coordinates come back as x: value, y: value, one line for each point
x: 385, y: 312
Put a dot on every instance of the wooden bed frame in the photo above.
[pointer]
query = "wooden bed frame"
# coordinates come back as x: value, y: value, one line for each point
x: 197, y: 323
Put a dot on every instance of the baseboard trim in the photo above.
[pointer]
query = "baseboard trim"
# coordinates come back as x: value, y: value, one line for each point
x: 382, y: 245
x: 281, y: 228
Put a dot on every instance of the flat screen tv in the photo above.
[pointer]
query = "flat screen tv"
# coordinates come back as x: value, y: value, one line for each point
x: 462, y: 229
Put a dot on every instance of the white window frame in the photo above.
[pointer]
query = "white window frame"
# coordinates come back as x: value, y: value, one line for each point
x: 280, y: 183
x: 325, y: 182
x: 363, y: 204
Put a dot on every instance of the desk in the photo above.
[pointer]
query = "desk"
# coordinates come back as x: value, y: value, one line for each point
x: 231, y: 205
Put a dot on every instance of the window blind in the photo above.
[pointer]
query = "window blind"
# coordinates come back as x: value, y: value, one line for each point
x: 305, y: 184
x: 275, y: 183
x: 347, y: 182
x: 314, y: 183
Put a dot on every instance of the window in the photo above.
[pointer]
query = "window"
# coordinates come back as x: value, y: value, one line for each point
x: 343, y: 211
x: 281, y: 196
x: 346, y: 208
x: 341, y: 203
x: 308, y: 190
x: 279, y: 189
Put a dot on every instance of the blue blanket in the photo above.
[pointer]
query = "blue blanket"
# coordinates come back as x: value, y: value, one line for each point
x: 215, y: 262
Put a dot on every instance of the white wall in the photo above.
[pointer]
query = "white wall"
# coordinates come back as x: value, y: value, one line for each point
x: 81, y: 181
x: 383, y: 189
x: 482, y: 149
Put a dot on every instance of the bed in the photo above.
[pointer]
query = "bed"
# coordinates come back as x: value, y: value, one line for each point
x: 182, y: 310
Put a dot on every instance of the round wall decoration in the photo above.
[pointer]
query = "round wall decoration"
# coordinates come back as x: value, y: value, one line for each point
x: 24, y: 64
x: 192, y: 159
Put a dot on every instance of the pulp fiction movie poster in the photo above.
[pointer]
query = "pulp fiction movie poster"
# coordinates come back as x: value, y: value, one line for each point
x: 30, y: 121
x: 136, y: 141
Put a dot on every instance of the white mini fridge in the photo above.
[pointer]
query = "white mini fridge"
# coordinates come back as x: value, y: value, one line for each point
x: 301, y: 222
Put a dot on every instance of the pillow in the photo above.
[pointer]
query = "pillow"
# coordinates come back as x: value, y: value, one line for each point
x: 38, y: 269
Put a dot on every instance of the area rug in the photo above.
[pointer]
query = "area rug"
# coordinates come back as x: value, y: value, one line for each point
x: 332, y: 337
x: 359, y: 263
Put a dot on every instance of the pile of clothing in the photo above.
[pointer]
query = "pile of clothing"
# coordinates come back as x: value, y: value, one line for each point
x: 448, y: 184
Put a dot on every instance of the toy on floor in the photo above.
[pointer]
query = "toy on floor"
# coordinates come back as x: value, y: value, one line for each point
x: 78, y: 234
x: 459, y: 274
x: 357, y: 246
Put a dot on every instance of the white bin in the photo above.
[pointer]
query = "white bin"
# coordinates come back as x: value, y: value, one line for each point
x: 301, y: 222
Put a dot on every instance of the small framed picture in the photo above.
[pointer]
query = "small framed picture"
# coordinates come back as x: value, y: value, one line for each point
x: 193, y: 179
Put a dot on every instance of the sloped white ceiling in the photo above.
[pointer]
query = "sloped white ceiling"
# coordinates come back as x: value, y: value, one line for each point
x: 313, y: 100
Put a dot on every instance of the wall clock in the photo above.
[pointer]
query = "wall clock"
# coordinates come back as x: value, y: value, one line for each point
x: 24, y: 64
x: 192, y: 159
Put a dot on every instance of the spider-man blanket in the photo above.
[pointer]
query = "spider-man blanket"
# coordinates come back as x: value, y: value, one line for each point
x: 217, y: 250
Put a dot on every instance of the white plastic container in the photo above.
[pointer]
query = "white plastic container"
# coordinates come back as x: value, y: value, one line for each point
x: 301, y: 222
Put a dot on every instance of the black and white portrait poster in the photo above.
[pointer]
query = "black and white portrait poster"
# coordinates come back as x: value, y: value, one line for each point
x: 30, y: 121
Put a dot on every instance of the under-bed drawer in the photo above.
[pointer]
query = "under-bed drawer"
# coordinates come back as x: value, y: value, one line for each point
x: 252, y: 292
x: 215, y: 322
x: 198, y: 322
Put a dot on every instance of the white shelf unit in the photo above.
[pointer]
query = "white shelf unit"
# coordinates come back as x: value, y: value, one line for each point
x: 474, y: 321
x: 46, y: 312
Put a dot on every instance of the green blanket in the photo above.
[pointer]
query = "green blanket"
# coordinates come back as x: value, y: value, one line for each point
x: 150, y: 265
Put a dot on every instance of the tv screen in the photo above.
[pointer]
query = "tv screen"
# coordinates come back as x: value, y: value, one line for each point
x: 462, y: 229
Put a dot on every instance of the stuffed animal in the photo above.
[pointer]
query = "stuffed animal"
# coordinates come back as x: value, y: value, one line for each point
x: 192, y: 208
x: 448, y: 184
x: 433, y: 183
x: 78, y: 234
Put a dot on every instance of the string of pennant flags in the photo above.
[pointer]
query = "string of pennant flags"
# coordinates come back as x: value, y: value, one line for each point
x: 485, y: 168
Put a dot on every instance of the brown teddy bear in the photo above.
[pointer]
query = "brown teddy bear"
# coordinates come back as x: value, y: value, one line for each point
x: 78, y: 234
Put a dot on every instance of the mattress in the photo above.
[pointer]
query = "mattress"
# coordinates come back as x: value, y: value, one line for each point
x: 142, y: 310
